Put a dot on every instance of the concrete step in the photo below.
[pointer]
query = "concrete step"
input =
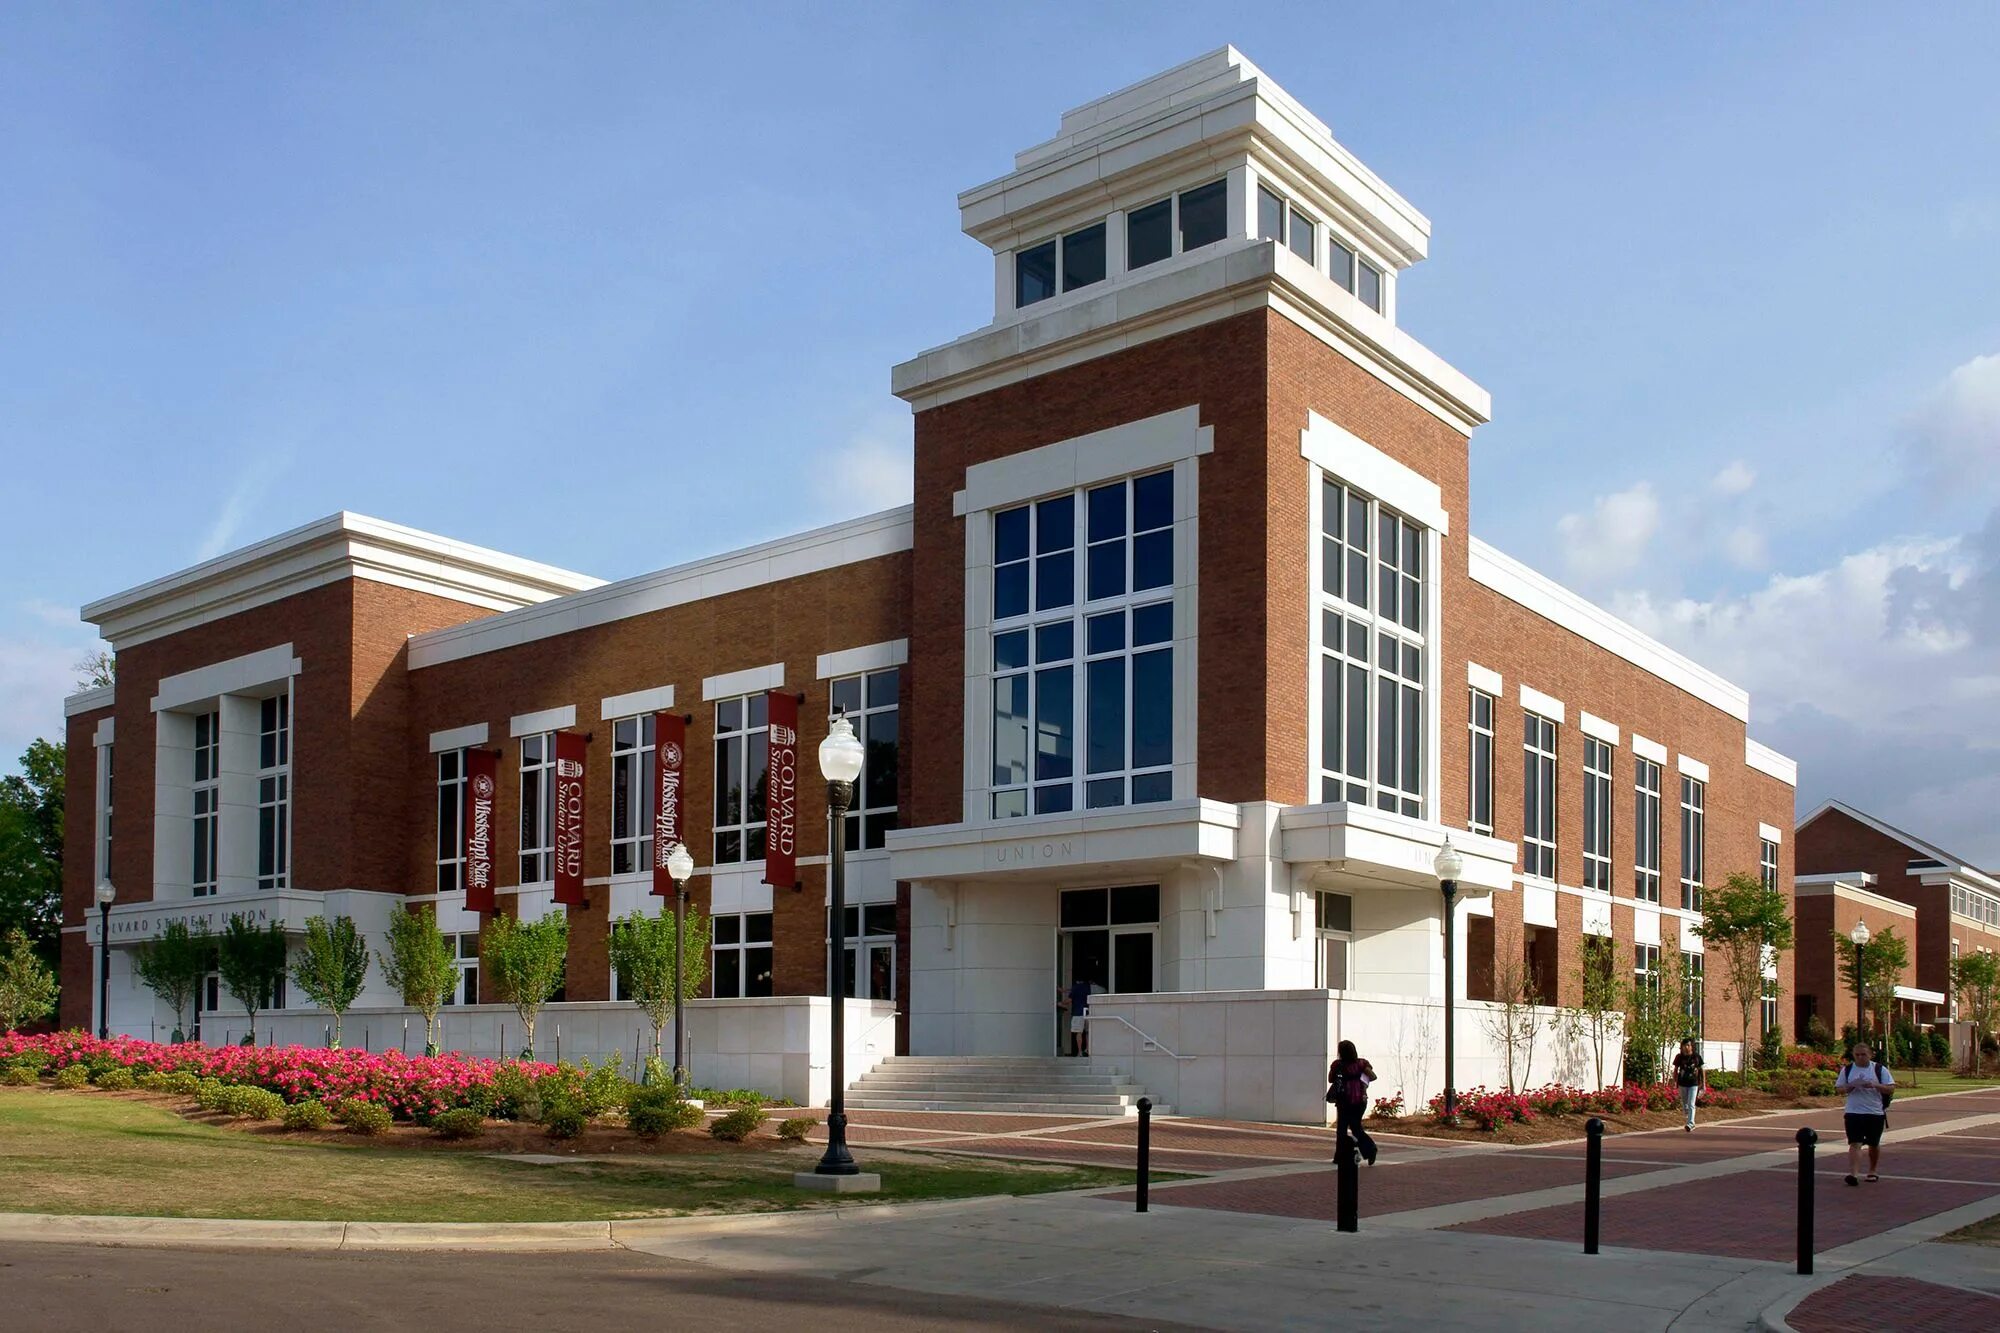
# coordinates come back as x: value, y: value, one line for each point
x: 989, y: 1097
x: 1102, y: 1110
x: 1056, y: 1092
x: 997, y: 1080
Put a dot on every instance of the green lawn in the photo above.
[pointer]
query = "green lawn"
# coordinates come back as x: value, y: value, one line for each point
x: 98, y: 1153
x: 1932, y: 1081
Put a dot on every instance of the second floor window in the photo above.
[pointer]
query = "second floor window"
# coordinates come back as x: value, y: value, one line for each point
x: 631, y: 795
x: 538, y: 807
x: 104, y: 804
x: 465, y: 954
x: 1646, y: 968
x: 1645, y: 830
x: 450, y: 821
x: 1767, y: 863
x: 1538, y: 797
x: 1596, y: 815
x: 742, y: 764
x: 274, y: 793
x: 1372, y: 653
x: 870, y: 704
x: 207, y: 801
x: 1480, y: 810
x: 1693, y: 841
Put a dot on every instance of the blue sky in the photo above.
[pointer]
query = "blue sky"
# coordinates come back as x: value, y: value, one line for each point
x: 1729, y: 272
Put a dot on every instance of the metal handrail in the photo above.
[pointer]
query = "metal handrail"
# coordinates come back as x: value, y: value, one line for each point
x: 1154, y: 1042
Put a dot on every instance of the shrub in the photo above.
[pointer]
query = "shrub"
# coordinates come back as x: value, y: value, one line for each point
x: 464, y: 1123
x: 1818, y: 1036
x: 604, y: 1088
x: 563, y: 1119
x: 251, y: 1103
x: 739, y: 1124
x: 1387, y: 1108
x: 31, y: 1060
x: 18, y: 1076
x: 513, y: 1094
x: 651, y: 1119
x: 1940, y: 1048
x: 1771, y: 1049
x: 795, y: 1128
x: 1788, y: 1086
x: 364, y: 1117
x: 72, y: 1076
x: 311, y: 1113
x: 1723, y: 1078
x: 181, y: 1083
x: 208, y: 1093
x: 115, y: 1079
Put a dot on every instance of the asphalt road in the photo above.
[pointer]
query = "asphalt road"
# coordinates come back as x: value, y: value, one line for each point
x: 100, y: 1288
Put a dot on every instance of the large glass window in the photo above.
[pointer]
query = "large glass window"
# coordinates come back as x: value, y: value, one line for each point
x: 1538, y: 796
x: 538, y: 807
x: 1077, y: 258
x: 1371, y: 742
x: 1280, y: 220
x: 871, y: 950
x: 742, y: 765
x: 1481, y: 729
x: 1099, y: 667
x: 869, y: 702
x: 631, y: 795
x: 207, y: 800
x: 1695, y: 992
x: 274, y: 793
x: 1204, y: 215
x: 1645, y: 830
x: 450, y: 821
x: 465, y: 953
x: 1149, y: 234
x: 1767, y: 863
x: 1646, y: 968
x: 1333, y: 921
x: 1693, y: 841
x: 104, y: 804
x: 742, y: 954
x: 1368, y: 285
x: 1596, y: 814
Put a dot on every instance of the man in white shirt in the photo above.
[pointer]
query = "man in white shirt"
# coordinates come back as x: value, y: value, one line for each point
x: 1865, y: 1084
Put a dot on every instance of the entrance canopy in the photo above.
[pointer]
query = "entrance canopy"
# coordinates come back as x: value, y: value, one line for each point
x: 1392, y: 851
x: 1141, y: 841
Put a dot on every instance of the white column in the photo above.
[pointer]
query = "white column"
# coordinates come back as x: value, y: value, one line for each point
x: 236, y: 852
x: 173, y: 806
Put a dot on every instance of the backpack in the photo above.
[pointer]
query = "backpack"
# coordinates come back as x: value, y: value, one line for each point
x: 1886, y: 1094
x: 1347, y: 1090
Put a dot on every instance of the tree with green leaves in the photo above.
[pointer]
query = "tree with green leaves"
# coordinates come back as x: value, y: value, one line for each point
x: 172, y: 965
x: 27, y: 984
x: 1744, y: 923
x: 1975, y: 979
x: 420, y: 966
x: 1887, y: 954
x: 96, y: 669
x: 252, y: 963
x: 526, y: 963
x: 331, y: 966
x: 1601, y: 991
x: 31, y: 849
x: 643, y: 949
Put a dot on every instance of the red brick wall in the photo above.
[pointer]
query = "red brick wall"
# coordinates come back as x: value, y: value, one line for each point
x: 1821, y: 916
x: 1837, y: 843
x: 80, y: 859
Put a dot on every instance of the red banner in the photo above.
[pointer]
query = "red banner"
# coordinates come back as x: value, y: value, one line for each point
x: 570, y: 750
x: 669, y: 736
x: 482, y: 784
x: 781, y: 792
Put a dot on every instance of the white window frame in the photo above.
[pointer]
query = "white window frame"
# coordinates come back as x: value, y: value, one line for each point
x: 1597, y: 799
x: 632, y: 750
x: 742, y: 946
x: 1481, y: 782
x: 1767, y: 863
x: 747, y: 827
x: 274, y: 790
x: 1694, y: 986
x: 1328, y: 939
x: 537, y: 854
x: 105, y: 779
x: 1646, y: 829
x: 864, y: 819
x: 1538, y: 852
x: 465, y: 956
x: 1060, y: 241
x: 1694, y: 840
x: 206, y: 797
x: 863, y: 944
x: 450, y: 876
x: 1646, y: 967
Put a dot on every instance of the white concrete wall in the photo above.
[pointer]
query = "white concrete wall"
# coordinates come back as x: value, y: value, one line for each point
x: 986, y: 984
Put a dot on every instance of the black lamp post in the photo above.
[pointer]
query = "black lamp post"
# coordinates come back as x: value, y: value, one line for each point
x: 680, y: 868
x: 840, y: 757
x: 106, y: 895
x: 1860, y: 937
x: 1448, y: 865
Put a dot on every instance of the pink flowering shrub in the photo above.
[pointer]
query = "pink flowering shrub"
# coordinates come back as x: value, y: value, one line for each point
x: 1488, y: 1110
x: 409, y: 1087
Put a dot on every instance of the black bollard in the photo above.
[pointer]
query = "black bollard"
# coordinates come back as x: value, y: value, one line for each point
x: 1145, y: 1148
x: 1807, y: 1138
x: 1593, y: 1181
x: 1347, y: 1173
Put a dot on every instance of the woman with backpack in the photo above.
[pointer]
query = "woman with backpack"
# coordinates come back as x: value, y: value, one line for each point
x: 1347, y: 1080
x: 1688, y: 1077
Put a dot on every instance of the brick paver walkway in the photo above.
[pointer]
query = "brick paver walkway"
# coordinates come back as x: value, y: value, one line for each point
x: 1881, y: 1304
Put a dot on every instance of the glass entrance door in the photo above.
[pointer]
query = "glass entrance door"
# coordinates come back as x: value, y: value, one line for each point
x: 1110, y: 940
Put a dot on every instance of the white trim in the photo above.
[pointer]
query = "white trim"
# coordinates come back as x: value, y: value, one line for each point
x: 268, y: 666
x: 1919, y: 995
x: 1692, y: 768
x: 747, y: 681
x: 818, y: 550
x: 88, y: 701
x: 1846, y: 886
x: 1348, y: 458
x: 656, y: 700
x: 1547, y: 705
x: 1478, y: 677
x: 458, y: 738
x: 1558, y: 605
x: 854, y: 661
x: 1590, y: 724
x: 548, y: 719
x: 106, y: 731
x: 1770, y: 763
x: 1771, y: 833
x: 1646, y: 749
x: 1123, y: 450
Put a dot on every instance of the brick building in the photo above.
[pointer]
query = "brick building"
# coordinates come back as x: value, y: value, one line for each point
x: 1176, y: 675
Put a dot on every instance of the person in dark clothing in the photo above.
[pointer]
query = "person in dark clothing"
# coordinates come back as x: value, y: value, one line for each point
x: 1347, y: 1081
x: 1689, y: 1076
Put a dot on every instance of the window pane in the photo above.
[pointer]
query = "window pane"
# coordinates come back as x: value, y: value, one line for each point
x: 1270, y: 216
x: 1152, y: 624
x: 1104, y: 512
x: 1149, y: 234
x: 1300, y: 237
x: 1106, y: 571
x: 1010, y: 731
x: 1055, y: 800
x: 847, y: 694
x: 1083, y: 257
x: 1010, y: 535
x: 1055, y: 642
x: 1204, y: 215
x: 1055, y: 524
x: 1135, y: 905
x: 1035, y: 274
x: 1085, y: 907
x: 1369, y: 289
x: 1105, y: 743
x: 1055, y: 711
x: 1148, y: 787
x: 728, y: 972
x: 1055, y: 580
x: 1152, y: 501
x: 1102, y: 793
x: 1152, y: 708
x: 1340, y: 263
x: 728, y: 781
x: 882, y: 688
x: 1010, y: 650
x: 1105, y: 633
x: 1152, y: 560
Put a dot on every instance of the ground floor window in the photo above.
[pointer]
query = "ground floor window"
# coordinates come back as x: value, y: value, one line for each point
x: 871, y: 951
x: 742, y: 953
x: 1768, y: 1004
x: 465, y: 951
x: 1696, y: 993
x: 1333, y: 919
x: 1111, y: 938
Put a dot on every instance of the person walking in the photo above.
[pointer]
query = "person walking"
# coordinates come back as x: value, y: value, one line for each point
x: 1347, y: 1080
x: 1689, y: 1075
x: 1077, y: 1002
x: 1869, y: 1088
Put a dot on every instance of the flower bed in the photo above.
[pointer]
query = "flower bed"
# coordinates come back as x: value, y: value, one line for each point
x: 1486, y: 1109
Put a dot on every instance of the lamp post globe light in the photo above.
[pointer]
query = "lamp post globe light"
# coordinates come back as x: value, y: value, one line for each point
x: 1860, y: 937
x: 680, y: 868
x: 1448, y: 865
x: 840, y: 756
x: 106, y: 895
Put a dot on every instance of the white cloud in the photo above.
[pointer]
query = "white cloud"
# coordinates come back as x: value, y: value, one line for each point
x: 1610, y: 539
x: 1954, y: 437
x: 251, y: 486
x: 873, y: 470
x: 35, y: 675
x: 1745, y: 547
x: 1734, y: 479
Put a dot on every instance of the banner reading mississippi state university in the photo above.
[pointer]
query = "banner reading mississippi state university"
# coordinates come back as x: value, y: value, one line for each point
x: 669, y: 735
x: 569, y: 818
x: 482, y: 780
x: 781, y: 792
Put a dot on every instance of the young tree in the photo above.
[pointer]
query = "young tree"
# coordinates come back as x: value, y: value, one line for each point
x: 27, y: 984
x: 1887, y: 955
x: 252, y: 963
x: 526, y: 963
x: 643, y: 952
x: 420, y: 966
x: 331, y: 966
x: 1743, y: 923
x: 1602, y: 990
x: 173, y: 964
x: 31, y: 849
x: 1515, y: 1018
x: 1975, y: 977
